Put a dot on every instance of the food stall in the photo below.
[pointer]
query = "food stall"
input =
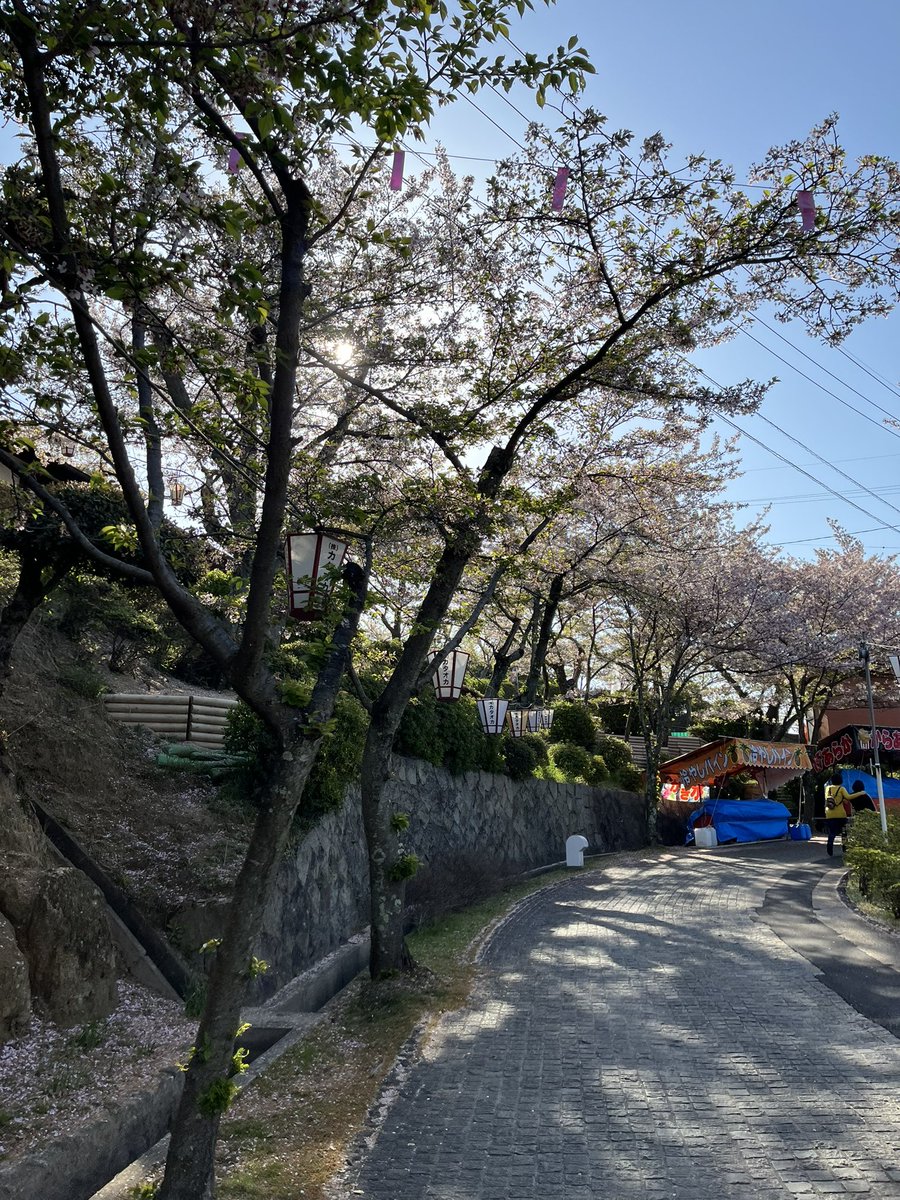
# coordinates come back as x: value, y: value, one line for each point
x: 849, y: 750
x: 770, y: 763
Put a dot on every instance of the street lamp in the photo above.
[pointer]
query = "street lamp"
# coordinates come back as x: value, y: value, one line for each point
x: 864, y: 658
x: 313, y: 562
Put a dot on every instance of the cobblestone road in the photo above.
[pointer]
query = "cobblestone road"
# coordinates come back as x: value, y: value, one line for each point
x: 640, y: 1032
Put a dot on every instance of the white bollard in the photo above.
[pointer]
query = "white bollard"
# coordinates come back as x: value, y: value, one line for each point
x: 575, y: 848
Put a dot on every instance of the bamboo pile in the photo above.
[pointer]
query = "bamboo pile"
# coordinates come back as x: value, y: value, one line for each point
x: 199, y: 719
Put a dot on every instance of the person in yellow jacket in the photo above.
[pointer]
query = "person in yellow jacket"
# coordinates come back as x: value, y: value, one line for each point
x: 838, y: 807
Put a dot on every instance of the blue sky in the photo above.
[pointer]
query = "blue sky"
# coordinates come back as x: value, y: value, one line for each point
x: 731, y: 80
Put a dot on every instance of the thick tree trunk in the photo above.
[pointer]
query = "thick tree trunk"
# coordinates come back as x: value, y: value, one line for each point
x: 388, y: 952
x: 539, y: 653
x: 189, y: 1171
x: 387, y: 882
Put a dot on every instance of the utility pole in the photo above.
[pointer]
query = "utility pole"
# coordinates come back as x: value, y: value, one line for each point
x: 864, y: 658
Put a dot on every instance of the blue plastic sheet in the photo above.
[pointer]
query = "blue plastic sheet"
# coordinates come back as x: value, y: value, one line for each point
x: 891, y: 786
x: 743, y: 820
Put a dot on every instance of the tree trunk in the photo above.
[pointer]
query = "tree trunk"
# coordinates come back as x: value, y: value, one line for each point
x: 31, y: 591
x: 190, y: 1163
x: 388, y: 950
x: 539, y: 653
x: 387, y: 881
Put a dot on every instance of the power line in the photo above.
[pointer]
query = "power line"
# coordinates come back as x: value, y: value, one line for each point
x: 822, y: 388
x: 809, y: 358
x: 871, y: 373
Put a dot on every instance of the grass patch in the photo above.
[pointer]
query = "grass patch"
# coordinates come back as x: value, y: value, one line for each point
x: 867, y: 906
x: 288, y: 1134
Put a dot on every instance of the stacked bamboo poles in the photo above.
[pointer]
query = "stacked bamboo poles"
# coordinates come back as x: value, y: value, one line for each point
x: 200, y: 719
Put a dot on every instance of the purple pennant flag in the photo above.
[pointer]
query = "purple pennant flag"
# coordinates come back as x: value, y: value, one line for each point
x: 234, y: 156
x: 397, y: 171
x: 807, y: 206
x: 559, y: 188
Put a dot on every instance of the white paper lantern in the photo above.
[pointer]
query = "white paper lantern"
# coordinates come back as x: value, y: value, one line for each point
x: 546, y: 718
x: 448, y: 678
x: 518, y: 721
x: 492, y: 714
x: 313, y: 563
x: 534, y: 720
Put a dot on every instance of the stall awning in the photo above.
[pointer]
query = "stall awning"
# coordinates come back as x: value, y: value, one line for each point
x: 852, y: 746
x: 772, y: 763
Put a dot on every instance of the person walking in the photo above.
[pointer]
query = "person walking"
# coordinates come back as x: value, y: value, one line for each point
x: 839, y: 805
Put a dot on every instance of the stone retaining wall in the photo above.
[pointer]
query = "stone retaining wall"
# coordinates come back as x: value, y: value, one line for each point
x: 321, y: 898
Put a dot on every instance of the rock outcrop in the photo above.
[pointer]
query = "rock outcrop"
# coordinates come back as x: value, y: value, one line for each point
x: 56, y: 952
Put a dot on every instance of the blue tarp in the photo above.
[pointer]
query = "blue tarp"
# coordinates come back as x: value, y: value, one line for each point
x: 891, y: 786
x: 743, y: 820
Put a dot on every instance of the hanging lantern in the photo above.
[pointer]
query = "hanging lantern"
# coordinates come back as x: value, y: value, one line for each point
x: 546, y: 718
x: 68, y: 448
x: 518, y: 721
x: 448, y: 678
x: 176, y: 491
x: 492, y: 714
x: 534, y: 720
x: 313, y: 561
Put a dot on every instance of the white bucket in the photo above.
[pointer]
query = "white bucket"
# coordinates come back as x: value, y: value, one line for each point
x: 705, y: 837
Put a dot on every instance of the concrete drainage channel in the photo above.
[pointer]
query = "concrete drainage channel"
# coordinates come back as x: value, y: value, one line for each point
x: 112, y: 1154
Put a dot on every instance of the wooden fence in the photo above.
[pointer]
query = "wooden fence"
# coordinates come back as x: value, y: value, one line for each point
x: 200, y: 719
x: 675, y: 746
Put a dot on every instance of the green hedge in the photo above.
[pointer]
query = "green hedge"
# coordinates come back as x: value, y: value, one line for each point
x: 865, y: 831
x: 877, y: 874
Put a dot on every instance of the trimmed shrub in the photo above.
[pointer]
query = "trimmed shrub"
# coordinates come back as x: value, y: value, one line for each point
x: 521, y: 757
x: 598, y: 772
x: 573, y: 760
x: 615, y: 751
x: 447, y: 734
x: 573, y: 723
x: 630, y: 779
x: 538, y: 745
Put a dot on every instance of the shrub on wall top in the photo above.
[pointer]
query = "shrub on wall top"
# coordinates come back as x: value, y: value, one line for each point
x: 616, y: 752
x: 573, y: 723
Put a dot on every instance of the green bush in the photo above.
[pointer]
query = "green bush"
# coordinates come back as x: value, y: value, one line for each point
x: 539, y: 745
x: 877, y: 872
x: 598, y: 772
x: 615, y: 751
x: 573, y: 723
x: 865, y: 831
x: 336, y: 764
x: 573, y: 760
x: 448, y: 734
x: 521, y: 757
x: 630, y: 779
x: 82, y: 679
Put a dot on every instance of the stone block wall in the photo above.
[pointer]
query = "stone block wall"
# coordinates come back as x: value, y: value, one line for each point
x: 321, y: 898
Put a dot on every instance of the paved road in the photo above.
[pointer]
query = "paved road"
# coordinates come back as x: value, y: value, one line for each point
x: 641, y: 1031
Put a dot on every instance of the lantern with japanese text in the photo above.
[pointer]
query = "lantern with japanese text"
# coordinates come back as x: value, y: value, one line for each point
x: 313, y: 564
x: 492, y: 714
x: 534, y: 720
x: 448, y: 678
x: 517, y: 718
x: 546, y: 718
